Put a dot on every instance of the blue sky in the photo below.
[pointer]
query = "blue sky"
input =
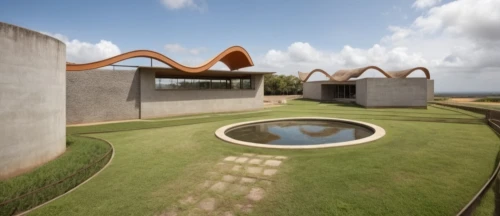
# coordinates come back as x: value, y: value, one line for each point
x: 283, y: 36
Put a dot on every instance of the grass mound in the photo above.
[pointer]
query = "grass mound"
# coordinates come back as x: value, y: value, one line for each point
x: 26, y: 191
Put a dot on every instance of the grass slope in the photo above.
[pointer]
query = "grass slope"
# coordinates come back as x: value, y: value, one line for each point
x: 421, y: 167
x: 80, y: 152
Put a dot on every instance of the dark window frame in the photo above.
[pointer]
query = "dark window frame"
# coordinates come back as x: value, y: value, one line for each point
x: 195, y: 83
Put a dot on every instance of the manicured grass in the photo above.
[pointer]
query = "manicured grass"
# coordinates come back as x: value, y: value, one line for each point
x: 431, y: 162
x: 80, y: 152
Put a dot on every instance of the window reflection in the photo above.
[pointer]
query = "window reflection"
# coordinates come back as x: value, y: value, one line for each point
x: 200, y: 83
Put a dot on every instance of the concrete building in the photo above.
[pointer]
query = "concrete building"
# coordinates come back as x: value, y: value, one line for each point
x: 32, y: 99
x: 395, y: 90
x: 40, y: 93
x: 152, y: 92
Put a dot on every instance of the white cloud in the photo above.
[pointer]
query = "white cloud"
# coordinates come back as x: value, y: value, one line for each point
x: 476, y: 19
x: 425, y: 3
x: 179, y: 4
x: 179, y: 49
x: 458, y: 41
x: 84, y: 52
x: 398, y: 33
x: 303, y: 55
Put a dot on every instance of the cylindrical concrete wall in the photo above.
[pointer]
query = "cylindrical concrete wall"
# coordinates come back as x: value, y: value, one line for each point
x: 32, y: 99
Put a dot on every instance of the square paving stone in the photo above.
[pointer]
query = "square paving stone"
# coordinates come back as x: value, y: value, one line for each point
x: 230, y: 158
x: 245, y: 180
x: 228, y: 178
x: 254, y: 170
x: 264, y: 156
x: 273, y: 163
x: 255, y: 161
x: 270, y: 172
x: 241, y: 160
x: 281, y: 157
x: 256, y: 194
x: 237, y: 189
x: 219, y: 186
x: 188, y: 200
x: 236, y: 168
x: 207, y: 204
x: 248, y: 154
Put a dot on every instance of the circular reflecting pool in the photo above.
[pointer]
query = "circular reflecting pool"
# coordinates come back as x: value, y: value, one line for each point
x: 300, y: 133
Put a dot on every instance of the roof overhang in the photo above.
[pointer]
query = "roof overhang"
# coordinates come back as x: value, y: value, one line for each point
x: 172, y: 72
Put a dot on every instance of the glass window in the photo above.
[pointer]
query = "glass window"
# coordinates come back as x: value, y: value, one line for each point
x: 171, y: 84
x: 219, y: 84
x: 207, y: 83
x: 184, y: 83
x: 246, y: 84
x: 158, y: 83
x: 195, y: 84
x: 204, y: 84
x: 235, y: 84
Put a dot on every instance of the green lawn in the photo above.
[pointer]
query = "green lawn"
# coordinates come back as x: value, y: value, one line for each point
x: 431, y: 162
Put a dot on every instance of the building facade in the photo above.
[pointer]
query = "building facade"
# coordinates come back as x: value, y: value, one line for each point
x: 153, y: 92
x: 395, y: 90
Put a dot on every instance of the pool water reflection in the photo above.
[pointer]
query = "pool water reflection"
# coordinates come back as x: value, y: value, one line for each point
x: 299, y: 132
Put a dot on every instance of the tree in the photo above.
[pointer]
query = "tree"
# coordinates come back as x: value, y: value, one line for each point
x: 281, y: 84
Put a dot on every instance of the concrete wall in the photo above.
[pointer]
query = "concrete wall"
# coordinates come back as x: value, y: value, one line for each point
x: 102, y: 95
x: 159, y: 103
x: 361, y: 92
x: 32, y: 99
x: 311, y: 90
x: 383, y: 92
x: 430, y: 90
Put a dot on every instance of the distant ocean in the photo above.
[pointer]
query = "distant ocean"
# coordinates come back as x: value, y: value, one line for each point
x: 467, y: 94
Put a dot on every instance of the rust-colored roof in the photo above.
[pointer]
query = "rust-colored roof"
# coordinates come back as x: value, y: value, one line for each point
x: 346, y: 74
x: 234, y: 58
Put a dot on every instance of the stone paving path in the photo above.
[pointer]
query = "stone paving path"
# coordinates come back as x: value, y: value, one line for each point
x: 233, y: 187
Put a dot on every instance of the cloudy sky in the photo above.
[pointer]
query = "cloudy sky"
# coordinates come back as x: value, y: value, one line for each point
x: 459, y: 41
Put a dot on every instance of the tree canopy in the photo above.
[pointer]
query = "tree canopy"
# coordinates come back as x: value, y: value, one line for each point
x: 282, y: 85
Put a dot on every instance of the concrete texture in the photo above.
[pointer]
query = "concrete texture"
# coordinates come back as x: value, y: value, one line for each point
x: 361, y: 92
x: 394, y: 92
x: 377, y: 92
x: 160, y: 103
x: 311, y: 90
x: 32, y: 99
x: 102, y: 95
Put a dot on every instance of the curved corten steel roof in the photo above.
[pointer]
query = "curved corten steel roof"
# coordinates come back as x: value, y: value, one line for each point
x: 234, y: 58
x: 346, y: 74
x: 405, y: 73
